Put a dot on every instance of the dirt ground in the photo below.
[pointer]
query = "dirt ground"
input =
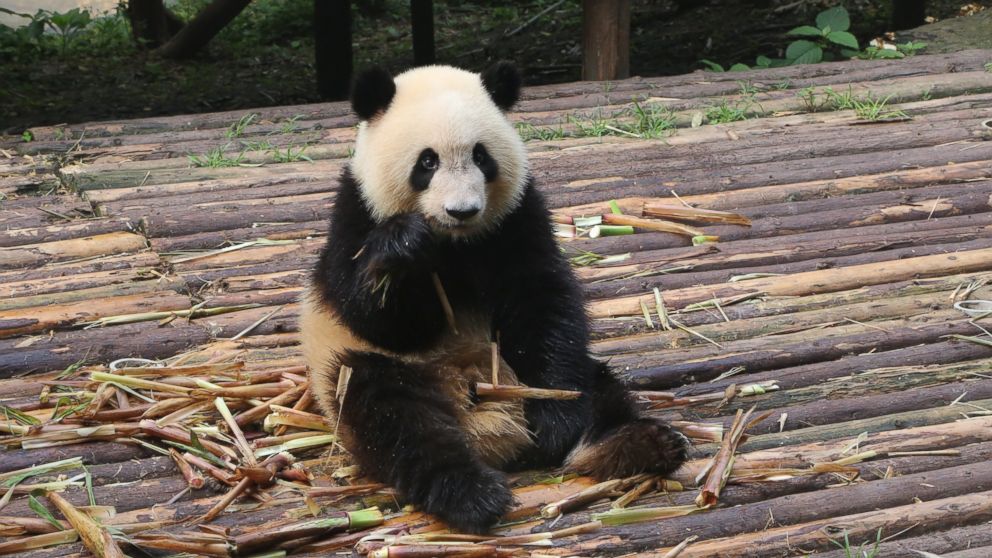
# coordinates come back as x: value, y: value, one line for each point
x: 265, y: 57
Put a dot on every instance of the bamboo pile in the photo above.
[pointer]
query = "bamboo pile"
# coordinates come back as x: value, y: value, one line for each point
x: 784, y: 289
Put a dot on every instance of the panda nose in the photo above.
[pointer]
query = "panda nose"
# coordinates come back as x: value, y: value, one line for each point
x: 462, y: 214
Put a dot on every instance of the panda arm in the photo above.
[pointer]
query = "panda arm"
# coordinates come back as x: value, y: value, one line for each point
x: 542, y: 327
x: 377, y: 275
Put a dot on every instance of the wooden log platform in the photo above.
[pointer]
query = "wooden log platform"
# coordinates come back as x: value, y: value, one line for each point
x: 150, y: 269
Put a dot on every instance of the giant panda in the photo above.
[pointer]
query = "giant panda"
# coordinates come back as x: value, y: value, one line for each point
x: 437, y: 209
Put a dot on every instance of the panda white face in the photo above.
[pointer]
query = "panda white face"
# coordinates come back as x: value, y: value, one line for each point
x: 439, y: 146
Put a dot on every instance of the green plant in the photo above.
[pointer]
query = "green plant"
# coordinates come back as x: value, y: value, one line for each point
x: 216, y: 158
x: 873, y: 108
x: 653, y: 121
x: 27, y: 136
x: 840, y: 101
x: 726, y: 112
x: 238, y: 128
x: 828, y: 36
x: 69, y: 24
x: 811, y: 101
x: 530, y: 132
x: 747, y: 88
x: 861, y: 551
x: 290, y: 155
x: 988, y: 67
x: 289, y: 125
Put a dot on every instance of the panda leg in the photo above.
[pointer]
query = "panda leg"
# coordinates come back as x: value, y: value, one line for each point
x: 621, y: 442
x: 409, y: 437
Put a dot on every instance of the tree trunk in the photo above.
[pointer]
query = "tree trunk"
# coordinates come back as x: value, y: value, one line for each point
x: 198, y: 32
x: 332, y: 48
x: 151, y: 23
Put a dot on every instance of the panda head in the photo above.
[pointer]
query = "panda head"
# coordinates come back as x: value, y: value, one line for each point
x: 435, y: 141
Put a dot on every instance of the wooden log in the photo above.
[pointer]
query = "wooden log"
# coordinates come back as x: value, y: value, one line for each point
x: 888, y: 308
x: 783, y: 249
x: 299, y: 253
x: 66, y: 231
x: 94, y: 453
x: 810, y: 282
x: 72, y: 268
x: 23, y: 321
x: 852, y: 428
x: 245, y: 194
x: 59, y: 280
x: 85, y: 179
x: 676, y: 280
x: 923, y: 517
x: 35, y: 255
x: 189, y: 220
x: 794, y: 509
x: 662, y: 371
x: 942, y: 543
x: 55, y: 352
x: 937, y: 353
x: 744, y: 175
x: 772, y: 306
x: 898, y: 380
x: 834, y: 410
x: 85, y: 294
x: 218, y: 239
x: 155, y: 190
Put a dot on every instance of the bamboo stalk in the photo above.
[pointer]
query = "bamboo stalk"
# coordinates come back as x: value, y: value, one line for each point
x: 694, y: 214
x: 96, y: 539
x: 334, y: 522
x: 652, y: 224
x: 510, y: 392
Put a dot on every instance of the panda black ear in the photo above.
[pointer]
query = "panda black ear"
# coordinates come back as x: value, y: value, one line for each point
x: 502, y: 81
x: 372, y: 92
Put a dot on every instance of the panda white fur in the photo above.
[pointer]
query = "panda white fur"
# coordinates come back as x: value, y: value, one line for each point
x: 438, y: 207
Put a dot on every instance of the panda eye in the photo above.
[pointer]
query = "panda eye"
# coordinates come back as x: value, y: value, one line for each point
x: 428, y: 160
x: 479, y: 154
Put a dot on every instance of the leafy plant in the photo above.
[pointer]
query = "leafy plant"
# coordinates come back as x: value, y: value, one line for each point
x: 820, y: 42
x: 861, y: 551
x: 726, y: 112
x: 238, y: 128
x: 290, y: 155
x: 216, y: 158
x: 27, y: 136
x: 69, y: 24
x: 988, y: 67
x: 873, y: 108
x: 530, y: 132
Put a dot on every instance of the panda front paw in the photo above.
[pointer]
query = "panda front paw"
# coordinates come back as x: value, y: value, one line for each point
x: 469, y: 500
x: 404, y: 243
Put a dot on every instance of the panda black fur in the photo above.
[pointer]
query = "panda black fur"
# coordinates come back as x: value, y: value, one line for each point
x: 438, y: 194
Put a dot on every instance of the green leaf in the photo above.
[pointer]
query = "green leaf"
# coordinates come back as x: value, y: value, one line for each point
x: 804, y: 52
x: 844, y: 39
x: 763, y: 62
x: 738, y: 67
x: 40, y: 509
x: 835, y: 18
x: 713, y: 66
x: 805, y: 31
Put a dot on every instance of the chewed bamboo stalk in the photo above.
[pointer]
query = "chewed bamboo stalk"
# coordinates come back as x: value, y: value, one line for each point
x: 591, y: 494
x: 652, y: 224
x: 193, y: 478
x: 627, y: 516
x: 694, y: 214
x: 507, y: 392
x: 156, y: 316
x: 704, y: 432
x: 437, y: 550
x: 633, y: 494
x: 546, y: 537
x: 335, y: 522
x: 299, y: 419
x: 723, y: 462
x: 258, y: 413
x: 96, y: 539
x: 23, y: 545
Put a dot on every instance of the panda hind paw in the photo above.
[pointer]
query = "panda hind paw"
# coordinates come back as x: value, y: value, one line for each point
x: 470, y: 501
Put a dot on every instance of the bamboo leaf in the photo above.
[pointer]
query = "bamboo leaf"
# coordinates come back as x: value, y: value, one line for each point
x: 40, y: 509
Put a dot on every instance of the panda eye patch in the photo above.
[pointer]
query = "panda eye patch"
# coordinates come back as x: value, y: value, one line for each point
x: 482, y: 159
x: 423, y: 170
